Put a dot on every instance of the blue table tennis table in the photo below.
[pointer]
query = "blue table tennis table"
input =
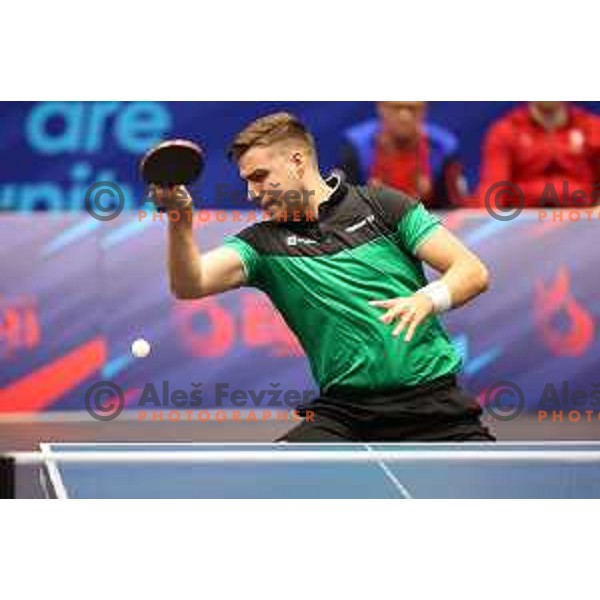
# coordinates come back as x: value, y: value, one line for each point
x: 481, y: 478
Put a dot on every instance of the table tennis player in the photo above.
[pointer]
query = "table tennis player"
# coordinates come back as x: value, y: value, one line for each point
x: 344, y: 265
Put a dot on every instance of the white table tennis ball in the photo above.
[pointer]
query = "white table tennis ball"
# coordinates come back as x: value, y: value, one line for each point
x: 140, y: 348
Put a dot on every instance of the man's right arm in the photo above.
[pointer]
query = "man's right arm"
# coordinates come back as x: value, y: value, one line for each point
x: 193, y: 275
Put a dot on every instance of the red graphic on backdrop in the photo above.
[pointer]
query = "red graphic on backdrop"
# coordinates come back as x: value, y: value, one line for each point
x: 209, y: 330
x: 19, y: 327
x: 44, y: 386
x: 206, y: 328
x: 553, y: 305
x: 263, y: 326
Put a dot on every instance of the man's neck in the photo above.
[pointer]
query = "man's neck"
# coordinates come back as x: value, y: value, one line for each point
x: 391, y: 142
x: 549, y: 120
x: 319, y: 192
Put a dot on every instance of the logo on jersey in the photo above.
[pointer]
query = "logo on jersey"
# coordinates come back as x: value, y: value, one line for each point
x: 294, y: 240
x: 360, y: 224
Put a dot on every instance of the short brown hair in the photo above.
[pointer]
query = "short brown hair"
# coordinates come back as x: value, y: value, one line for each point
x: 268, y: 130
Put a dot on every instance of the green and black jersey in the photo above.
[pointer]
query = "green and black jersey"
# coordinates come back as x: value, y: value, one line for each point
x: 321, y: 275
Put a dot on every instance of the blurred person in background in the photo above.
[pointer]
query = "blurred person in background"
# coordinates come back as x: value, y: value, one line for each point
x: 400, y: 150
x: 550, y: 150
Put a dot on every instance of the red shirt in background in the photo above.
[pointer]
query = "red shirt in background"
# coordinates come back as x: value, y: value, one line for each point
x: 403, y: 169
x: 519, y: 150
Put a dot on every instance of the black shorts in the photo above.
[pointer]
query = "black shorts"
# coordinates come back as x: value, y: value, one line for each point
x: 439, y: 411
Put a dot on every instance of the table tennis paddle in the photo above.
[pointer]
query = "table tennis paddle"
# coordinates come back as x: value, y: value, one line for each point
x: 171, y: 163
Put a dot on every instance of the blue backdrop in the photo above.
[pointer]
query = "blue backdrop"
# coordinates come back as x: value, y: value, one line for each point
x: 54, y: 151
x: 75, y: 291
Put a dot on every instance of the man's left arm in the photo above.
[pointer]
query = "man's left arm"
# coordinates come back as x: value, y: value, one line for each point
x: 463, y: 273
x: 464, y: 276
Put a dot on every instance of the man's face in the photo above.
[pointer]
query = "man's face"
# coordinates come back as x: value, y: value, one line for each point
x: 274, y: 175
x: 401, y: 120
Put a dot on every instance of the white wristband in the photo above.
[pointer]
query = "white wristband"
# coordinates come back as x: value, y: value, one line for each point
x: 439, y: 294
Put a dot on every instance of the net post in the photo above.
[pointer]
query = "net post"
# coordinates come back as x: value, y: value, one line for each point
x: 7, y: 477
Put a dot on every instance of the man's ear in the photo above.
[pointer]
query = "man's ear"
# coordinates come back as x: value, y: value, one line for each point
x: 298, y: 160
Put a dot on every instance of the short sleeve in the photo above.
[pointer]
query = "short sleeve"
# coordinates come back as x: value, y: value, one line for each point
x: 416, y: 226
x: 249, y: 256
x: 406, y: 217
